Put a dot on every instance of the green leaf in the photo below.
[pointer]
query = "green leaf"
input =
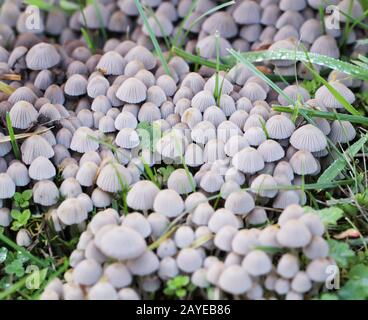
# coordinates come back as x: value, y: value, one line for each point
x: 329, y: 216
x: 340, y: 252
x: 27, y: 195
x: 15, y: 268
x: 339, y: 164
x: 3, y: 254
x: 15, y: 214
x: 181, y: 293
x: 356, y: 288
x: 41, y: 4
x: 24, y: 204
x: 68, y: 5
x: 18, y: 197
x: 329, y: 296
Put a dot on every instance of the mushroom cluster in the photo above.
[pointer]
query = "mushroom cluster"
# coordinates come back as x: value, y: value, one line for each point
x: 92, y: 127
x: 115, y: 260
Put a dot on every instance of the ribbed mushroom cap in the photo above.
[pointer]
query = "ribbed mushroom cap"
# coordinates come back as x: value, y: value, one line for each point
x: 248, y: 12
x: 193, y: 155
x: 220, y: 218
x: 222, y: 22
x: 285, y: 198
x: 97, y: 86
x: 255, y: 136
x: 257, y: 216
x: 253, y: 91
x: 194, y: 82
x: 342, y: 131
x: 41, y: 168
x: 23, y: 238
x: 308, y: 137
x: 214, y: 115
x: 271, y: 151
x: 293, y: 211
x: 42, y: 56
x: 235, y: 280
x: 34, y: 147
x: 125, y: 120
x: 112, y: 176
x: 240, y: 202
x: 23, y: 93
x: 84, y: 140
x: 264, y: 185
x: 7, y: 186
x: 111, y: 63
x: 96, y: 16
x: 202, y: 100
x: 22, y: 115
x: 127, y: 138
x: 87, y: 272
x: 279, y: 127
x: 248, y: 160
x: 5, y: 147
x: 139, y: 223
x: 310, y: 30
x: 211, y: 182
x: 132, y: 90
x: 142, y: 195
x: 326, y: 45
x: 184, y: 236
x: 288, y: 44
x: 86, y: 174
x: 142, y: 54
x: 327, y: 99
x: 181, y: 182
x: 76, y: 85
x: 45, y: 193
x: 353, y: 9
x: 163, y: 29
x: 226, y: 86
x: 303, y: 163
x: 155, y: 94
x: 257, y: 263
x: 288, y: 266
x: 171, y: 208
x: 189, y: 260
x: 294, y: 234
x: 296, y: 93
x: 18, y: 172
x: 121, y: 243
x: 71, y: 211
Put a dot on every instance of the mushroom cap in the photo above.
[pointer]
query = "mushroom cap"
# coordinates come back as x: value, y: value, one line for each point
x: 248, y: 12
x: 264, y: 185
x: 132, y: 90
x: 257, y: 263
x: 211, y: 181
x: 142, y: 195
x: 316, y: 269
x: 76, y: 85
x: 189, y: 260
x: 235, y: 280
x: 42, y: 56
x: 84, y: 140
x: 121, y: 243
x: 342, y: 131
x: 23, y: 114
x: 71, y: 211
x: 314, y: 224
x: 46, y: 193
x: 288, y: 266
x: 271, y: 151
x: 87, y: 272
x: 224, y: 237
x: 145, y: 264
x: 139, y: 223
x: 248, y: 160
x: 308, y: 137
x: 317, y: 248
x: 294, y: 234
x: 303, y: 163
x: 111, y: 63
x: 102, y: 291
x: 171, y: 208
x: 222, y: 22
x: 18, y: 172
x: 279, y: 127
x: 7, y: 186
x: 240, y: 202
x: 41, y: 168
x: 293, y: 211
x: 181, y: 182
x: 220, y: 218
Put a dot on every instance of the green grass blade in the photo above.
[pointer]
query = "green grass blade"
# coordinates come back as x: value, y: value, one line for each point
x: 325, y: 115
x: 339, y: 165
x: 100, y: 19
x: 88, y: 40
x: 153, y: 37
x: 41, y: 4
x: 152, y: 14
x: 335, y: 93
x: 283, y: 54
x: 68, y: 6
x: 13, y: 141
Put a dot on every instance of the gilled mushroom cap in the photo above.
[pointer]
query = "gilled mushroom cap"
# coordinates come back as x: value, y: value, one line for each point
x: 248, y: 160
x: 45, y: 193
x: 132, y: 90
x: 271, y: 151
x: 18, y: 173
x: 264, y: 185
x: 211, y: 182
x: 22, y: 115
x: 257, y: 263
x: 84, y: 140
x: 303, y: 163
x: 294, y: 234
x: 342, y: 131
x: 145, y: 264
x: 181, y: 182
x: 34, y: 147
x: 293, y: 211
x: 142, y: 195
x: 171, y: 208
x: 112, y: 176
x: 41, y: 168
x: 142, y: 54
x: 76, y: 85
x: 222, y: 22
x: 71, y: 211
x: 42, y: 56
x: 316, y: 269
x: 235, y: 280
x: 220, y: 218
x: 240, y: 202
x: 122, y: 243
x: 189, y: 260
x: 248, y: 12
x: 102, y: 291
x: 164, y: 29
x: 111, y: 63
x: 288, y: 266
x: 308, y: 137
x: 7, y: 186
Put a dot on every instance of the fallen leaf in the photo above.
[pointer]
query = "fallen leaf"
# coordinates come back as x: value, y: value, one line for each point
x: 350, y: 233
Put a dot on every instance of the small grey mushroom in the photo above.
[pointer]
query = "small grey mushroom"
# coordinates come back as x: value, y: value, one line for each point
x: 189, y: 260
x: 294, y: 234
x: 257, y: 263
x: 87, y: 272
x: 235, y: 280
